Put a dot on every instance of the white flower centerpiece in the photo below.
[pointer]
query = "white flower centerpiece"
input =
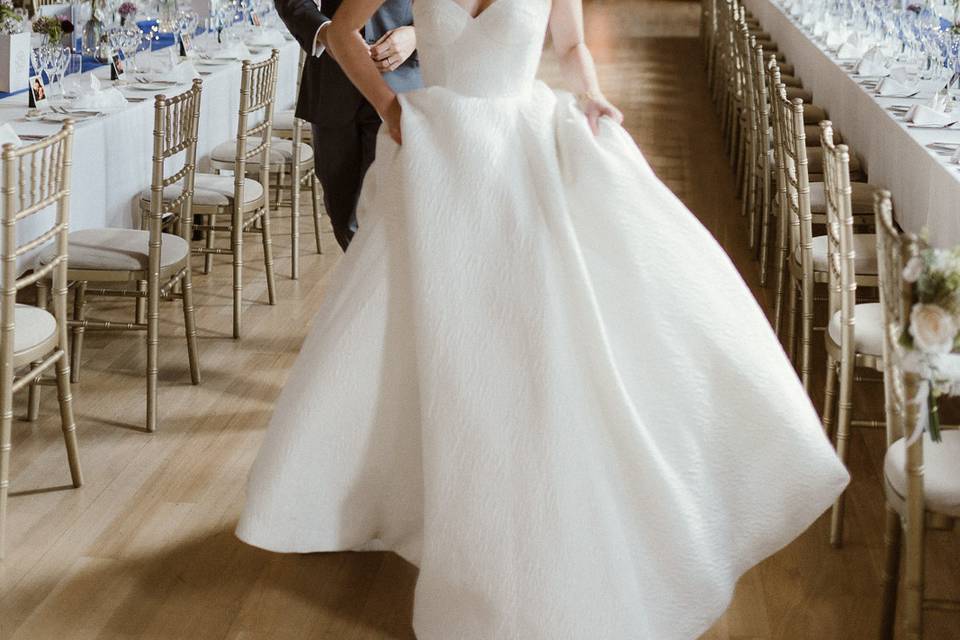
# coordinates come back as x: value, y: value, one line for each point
x: 933, y: 329
x: 14, y: 49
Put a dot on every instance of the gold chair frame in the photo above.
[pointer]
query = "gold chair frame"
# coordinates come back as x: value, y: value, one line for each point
x: 36, y: 178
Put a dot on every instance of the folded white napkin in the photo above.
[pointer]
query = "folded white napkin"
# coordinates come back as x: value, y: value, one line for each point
x: 9, y: 136
x: 264, y: 37
x: 955, y: 158
x: 898, y: 83
x: 923, y: 115
x: 93, y: 97
x: 856, y: 46
x: 808, y: 19
x: 836, y: 37
x: 820, y: 29
x: 873, y: 63
x: 182, y: 73
x: 234, y: 50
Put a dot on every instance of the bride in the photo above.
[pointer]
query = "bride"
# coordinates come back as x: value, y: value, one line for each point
x: 535, y: 375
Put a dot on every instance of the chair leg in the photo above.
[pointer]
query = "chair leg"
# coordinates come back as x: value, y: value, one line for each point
x: 315, y: 192
x: 829, y: 396
x: 6, y: 424
x: 806, y: 334
x: 140, y: 313
x: 791, y: 318
x: 190, y: 325
x: 295, y: 187
x: 153, y: 343
x: 914, y: 569
x: 268, y: 256
x: 67, y: 423
x: 76, y: 345
x: 764, y: 225
x: 781, y: 274
x: 891, y: 574
x: 33, y: 396
x: 236, y: 246
x: 208, y: 242
x: 844, y: 415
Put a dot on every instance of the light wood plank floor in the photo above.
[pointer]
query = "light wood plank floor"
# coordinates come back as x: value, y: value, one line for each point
x: 145, y: 549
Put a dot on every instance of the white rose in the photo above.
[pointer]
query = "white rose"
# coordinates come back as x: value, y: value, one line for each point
x: 933, y: 329
x: 911, y: 272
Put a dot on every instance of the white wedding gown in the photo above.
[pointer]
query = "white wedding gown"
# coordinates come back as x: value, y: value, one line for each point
x: 536, y: 376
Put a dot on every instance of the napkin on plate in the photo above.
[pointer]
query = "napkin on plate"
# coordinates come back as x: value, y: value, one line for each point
x: 95, y: 98
x: 855, y: 47
x: 873, y: 63
x: 932, y: 114
x: 835, y: 38
x: 9, y: 136
x: 264, y: 37
x: 955, y: 158
x: 898, y: 83
x: 234, y: 50
x: 182, y: 73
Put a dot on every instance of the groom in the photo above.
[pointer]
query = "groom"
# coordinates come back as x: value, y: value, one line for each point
x: 344, y: 124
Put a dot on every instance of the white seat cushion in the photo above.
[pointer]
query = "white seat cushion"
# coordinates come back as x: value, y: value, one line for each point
x: 213, y: 190
x: 941, y: 475
x: 864, y: 245
x: 867, y: 329
x: 284, y: 120
x: 281, y: 152
x: 121, y: 250
x: 861, y: 197
x: 34, y: 326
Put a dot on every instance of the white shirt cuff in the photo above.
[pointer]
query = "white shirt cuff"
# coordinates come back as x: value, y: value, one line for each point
x: 318, y: 48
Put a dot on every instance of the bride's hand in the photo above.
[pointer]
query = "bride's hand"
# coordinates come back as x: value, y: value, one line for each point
x: 596, y: 106
x: 391, y: 120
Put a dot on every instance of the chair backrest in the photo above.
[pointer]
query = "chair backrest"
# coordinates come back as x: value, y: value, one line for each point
x: 841, y: 254
x: 741, y: 51
x: 258, y: 92
x: 36, y: 178
x: 761, y: 100
x: 791, y: 156
x: 176, y: 123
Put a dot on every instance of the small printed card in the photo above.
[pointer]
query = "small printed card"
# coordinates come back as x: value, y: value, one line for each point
x: 117, y: 67
x: 186, y: 44
x: 255, y: 19
x: 38, y: 94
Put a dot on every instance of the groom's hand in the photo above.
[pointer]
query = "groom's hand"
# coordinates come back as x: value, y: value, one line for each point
x: 393, y: 49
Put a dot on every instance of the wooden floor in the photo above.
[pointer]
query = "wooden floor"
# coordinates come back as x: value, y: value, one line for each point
x: 145, y: 549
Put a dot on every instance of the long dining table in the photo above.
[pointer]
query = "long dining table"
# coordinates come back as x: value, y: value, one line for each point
x: 925, y: 184
x: 112, y: 152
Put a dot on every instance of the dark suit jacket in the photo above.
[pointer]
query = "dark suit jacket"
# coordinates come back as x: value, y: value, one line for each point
x: 327, y: 97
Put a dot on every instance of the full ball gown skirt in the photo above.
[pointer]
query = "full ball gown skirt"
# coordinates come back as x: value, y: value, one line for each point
x: 537, y: 377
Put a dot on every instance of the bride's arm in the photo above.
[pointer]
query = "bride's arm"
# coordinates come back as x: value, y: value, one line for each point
x: 351, y: 53
x: 566, y: 30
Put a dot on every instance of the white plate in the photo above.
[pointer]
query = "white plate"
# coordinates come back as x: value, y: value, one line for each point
x: 150, y: 86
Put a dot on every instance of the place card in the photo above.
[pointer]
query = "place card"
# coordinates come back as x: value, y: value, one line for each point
x: 117, y: 67
x: 38, y: 94
x: 186, y: 44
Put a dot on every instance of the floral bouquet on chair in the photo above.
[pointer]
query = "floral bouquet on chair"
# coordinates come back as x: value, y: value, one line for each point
x: 933, y: 329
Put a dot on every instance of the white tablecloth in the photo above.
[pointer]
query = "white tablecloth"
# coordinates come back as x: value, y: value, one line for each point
x: 112, y: 153
x: 925, y: 187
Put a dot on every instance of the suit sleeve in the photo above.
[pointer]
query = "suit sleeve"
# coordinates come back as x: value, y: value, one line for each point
x: 303, y: 18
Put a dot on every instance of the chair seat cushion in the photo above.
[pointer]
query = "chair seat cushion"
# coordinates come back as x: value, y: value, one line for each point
x: 213, y: 190
x: 864, y: 245
x: 281, y: 152
x: 868, y: 328
x: 813, y: 114
x: 941, y: 473
x: 121, y: 250
x: 861, y: 197
x: 34, y: 327
x: 799, y: 92
x: 815, y: 165
x: 284, y: 120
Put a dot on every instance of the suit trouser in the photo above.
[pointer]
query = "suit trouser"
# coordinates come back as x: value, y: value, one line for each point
x: 342, y: 155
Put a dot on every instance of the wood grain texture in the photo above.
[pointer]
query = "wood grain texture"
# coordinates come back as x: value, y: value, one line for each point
x: 145, y: 549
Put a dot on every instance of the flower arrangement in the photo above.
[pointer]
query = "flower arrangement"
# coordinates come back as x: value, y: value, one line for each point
x: 50, y: 27
x: 127, y: 9
x: 65, y: 25
x: 933, y: 328
x: 10, y: 22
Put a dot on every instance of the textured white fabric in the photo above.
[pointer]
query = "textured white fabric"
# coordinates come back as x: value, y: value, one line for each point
x: 212, y: 189
x: 535, y: 374
x: 868, y: 330
x: 861, y: 197
x: 864, y: 245
x: 34, y: 326
x: 941, y: 474
x: 925, y: 187
x: 281, y: 152
x: 121, y: 249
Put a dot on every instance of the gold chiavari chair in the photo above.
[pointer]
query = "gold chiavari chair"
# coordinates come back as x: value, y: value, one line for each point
x: 854, y: 336
x: 36, y: 178
x: 806, y: 263
x: 248, y: 203
x: 290, y: 157
x: 921, y: 477
x: 118, y: 259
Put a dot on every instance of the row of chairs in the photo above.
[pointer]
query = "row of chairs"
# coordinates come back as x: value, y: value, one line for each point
x: 149, y: 264
x: 792, y: 168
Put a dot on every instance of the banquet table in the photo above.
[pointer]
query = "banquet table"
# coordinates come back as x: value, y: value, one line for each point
x: 925, y: 185
x: 112, y: 152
